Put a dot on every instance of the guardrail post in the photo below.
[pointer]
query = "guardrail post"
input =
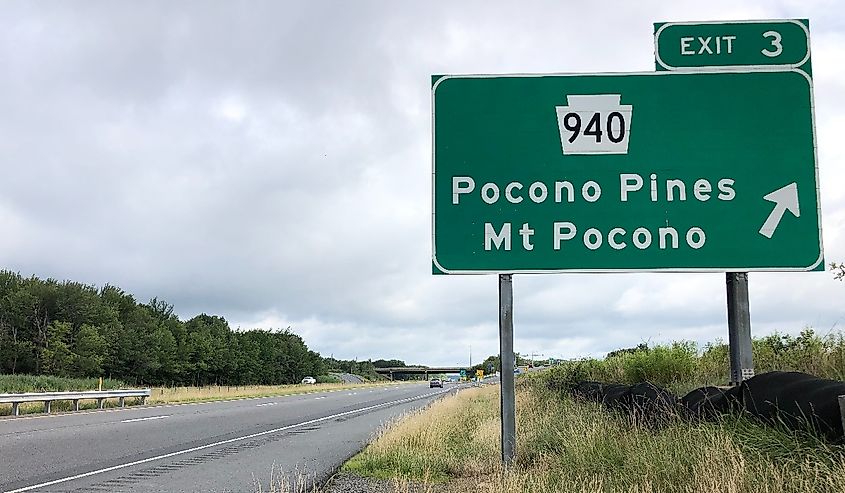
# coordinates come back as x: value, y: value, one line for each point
x: 47, y: 406
x: 16, y: 411
x: 100, y: 403
x: 76, y: 404
x: 121, y: 401
x: 143, y: 400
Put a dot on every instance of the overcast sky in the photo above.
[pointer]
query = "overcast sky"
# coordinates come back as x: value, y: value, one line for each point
x: 270, y: 162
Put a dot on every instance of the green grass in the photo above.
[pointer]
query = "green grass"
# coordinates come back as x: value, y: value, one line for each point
x: 17, y: 384
x: 682, y: 366
x: 571, y: 446
x: 327, y: 379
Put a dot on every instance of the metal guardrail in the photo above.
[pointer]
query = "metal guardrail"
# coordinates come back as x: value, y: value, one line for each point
x: 48, y: 397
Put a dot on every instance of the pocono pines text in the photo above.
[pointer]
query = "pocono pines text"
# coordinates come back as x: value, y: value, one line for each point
x: 500, y: 237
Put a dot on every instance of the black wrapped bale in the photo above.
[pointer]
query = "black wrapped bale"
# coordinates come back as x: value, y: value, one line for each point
x: 649, y: 403
x: 608, y: 394
x: 798, y: 400
x: 591, y: 391
x: 711, y: 402
x: 614, y: 395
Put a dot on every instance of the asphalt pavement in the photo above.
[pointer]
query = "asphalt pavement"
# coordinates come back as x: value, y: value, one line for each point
x: 237, y: 446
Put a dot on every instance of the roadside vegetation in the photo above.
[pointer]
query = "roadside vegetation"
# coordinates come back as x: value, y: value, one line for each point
x: 16, y: 384
x: 574, y: 446
x: 69, y: 329
x: 682, y: 366
x: 564, y: 445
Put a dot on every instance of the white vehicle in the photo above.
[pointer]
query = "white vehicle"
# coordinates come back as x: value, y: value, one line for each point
x: 309, y: 380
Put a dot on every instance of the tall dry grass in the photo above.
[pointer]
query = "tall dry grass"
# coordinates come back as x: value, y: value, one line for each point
x: 168, y: 395
x: 174, y: 395
x: 568, y: 446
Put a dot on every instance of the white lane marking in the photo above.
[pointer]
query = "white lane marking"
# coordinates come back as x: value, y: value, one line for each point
x: 266, y: 404
x: 224, y: 442
x: 323, y: 397
x: 144, y: 419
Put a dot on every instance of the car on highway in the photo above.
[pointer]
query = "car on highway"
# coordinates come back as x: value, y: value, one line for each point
x: 435, y: 382
x: 309, y: 380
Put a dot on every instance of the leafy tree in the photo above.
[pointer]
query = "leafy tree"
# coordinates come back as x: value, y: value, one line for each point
x: 388, y: 363
x: 838, y: 270
x: 89, y: 351
x: 56, y: 357
x: 72, y: 329
x: 631, y: 350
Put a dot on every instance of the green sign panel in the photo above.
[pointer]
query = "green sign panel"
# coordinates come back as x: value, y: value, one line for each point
x: 660, y: 171
x: 746, y: 44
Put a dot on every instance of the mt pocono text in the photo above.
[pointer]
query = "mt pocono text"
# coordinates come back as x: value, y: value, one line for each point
x: 630, y: 186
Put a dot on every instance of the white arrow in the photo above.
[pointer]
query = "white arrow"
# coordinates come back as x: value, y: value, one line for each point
x: 785, y: 199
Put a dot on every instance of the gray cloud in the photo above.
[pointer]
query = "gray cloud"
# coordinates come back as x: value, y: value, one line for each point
x: 270, y: 162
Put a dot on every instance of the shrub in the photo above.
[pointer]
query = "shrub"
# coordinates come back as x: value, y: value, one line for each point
x: 327, y: 379
x: 680, y: 367
x: 16, y: 384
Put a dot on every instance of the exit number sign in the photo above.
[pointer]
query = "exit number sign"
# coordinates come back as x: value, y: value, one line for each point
x: 732, y: 44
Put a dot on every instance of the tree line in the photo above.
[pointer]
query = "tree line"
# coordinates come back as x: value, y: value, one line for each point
x: 71, y: 329
x: 368, y: 368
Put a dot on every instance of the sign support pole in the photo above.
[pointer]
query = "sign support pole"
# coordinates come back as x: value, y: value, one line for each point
x: 507, y: 377
x: 739, y: 327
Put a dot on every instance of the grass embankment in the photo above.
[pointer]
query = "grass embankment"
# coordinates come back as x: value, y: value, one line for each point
x: 160, y: 395
x: 167, y: 395
x: 569, y: 446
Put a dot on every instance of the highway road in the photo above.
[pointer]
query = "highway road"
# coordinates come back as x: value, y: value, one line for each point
x: 236, y: 446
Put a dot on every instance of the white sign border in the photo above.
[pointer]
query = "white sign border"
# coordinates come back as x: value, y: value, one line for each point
x: 730, y: 68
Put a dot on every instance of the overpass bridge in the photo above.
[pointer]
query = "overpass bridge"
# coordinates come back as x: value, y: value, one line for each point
x: 415, y: 370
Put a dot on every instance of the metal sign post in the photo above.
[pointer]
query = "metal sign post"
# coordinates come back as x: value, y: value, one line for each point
x: 739, y: 327
x: 506, y: 357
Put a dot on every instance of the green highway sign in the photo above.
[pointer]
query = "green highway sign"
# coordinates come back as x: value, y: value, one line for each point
x: 732, y: 44
x: 656, y: 171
